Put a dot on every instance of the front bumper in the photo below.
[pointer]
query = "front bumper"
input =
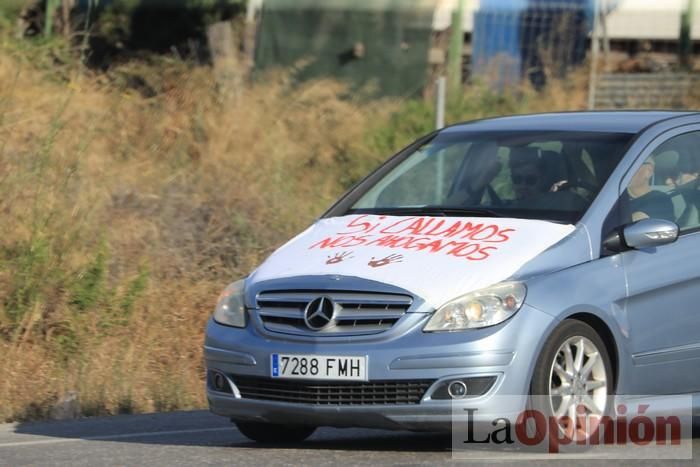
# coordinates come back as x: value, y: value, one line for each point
x: 506, y: 351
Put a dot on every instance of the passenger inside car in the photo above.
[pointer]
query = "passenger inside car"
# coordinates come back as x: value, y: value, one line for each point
x: 641, y: 202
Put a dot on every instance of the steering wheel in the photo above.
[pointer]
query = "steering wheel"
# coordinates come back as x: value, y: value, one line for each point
x: 573, y: 185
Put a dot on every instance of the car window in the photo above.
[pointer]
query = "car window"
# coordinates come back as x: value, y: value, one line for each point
x: 682, y: 178
x: 536, y: 175
x: 666, y: 185
x: 426, y: 177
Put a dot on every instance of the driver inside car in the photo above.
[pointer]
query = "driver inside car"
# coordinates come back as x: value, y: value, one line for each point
x: 526, y: 173
x: 528, y: 179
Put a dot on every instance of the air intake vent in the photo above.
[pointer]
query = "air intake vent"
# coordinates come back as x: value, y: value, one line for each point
x: 395, y: 392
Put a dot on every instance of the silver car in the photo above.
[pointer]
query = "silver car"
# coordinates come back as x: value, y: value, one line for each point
x: 552, y: 254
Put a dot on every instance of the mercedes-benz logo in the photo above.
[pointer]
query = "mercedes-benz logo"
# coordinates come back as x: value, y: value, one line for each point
x: 319, y: 313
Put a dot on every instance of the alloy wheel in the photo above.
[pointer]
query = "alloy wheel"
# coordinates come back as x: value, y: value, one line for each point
x: 578, y: 387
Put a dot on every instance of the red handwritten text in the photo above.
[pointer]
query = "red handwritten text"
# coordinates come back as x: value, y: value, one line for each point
x: 474, y: 241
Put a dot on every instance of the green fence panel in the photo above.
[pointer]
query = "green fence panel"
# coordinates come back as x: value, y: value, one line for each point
x: 379, y: 43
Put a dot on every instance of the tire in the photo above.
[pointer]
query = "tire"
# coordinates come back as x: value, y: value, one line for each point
x: 273, y: 433
x: 553, y: 390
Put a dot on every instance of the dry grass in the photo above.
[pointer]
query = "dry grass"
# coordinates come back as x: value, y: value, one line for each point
x: 123, y: 217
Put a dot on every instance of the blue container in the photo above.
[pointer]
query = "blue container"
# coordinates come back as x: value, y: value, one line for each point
x: 507, y: 38
x: 496, y: 42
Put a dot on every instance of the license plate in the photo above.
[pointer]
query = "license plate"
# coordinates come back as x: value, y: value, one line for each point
x: 319, y: 367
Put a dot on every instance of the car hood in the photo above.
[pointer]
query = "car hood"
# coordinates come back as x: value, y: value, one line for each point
x: 435, y: 258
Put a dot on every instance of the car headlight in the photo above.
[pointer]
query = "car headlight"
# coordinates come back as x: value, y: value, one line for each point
x: 230, y: 309
x: 479, y: 309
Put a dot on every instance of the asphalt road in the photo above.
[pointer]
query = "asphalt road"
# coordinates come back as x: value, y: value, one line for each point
x: 199, y: 438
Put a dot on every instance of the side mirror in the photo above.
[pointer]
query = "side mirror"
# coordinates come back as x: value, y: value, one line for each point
x: 647, y: 233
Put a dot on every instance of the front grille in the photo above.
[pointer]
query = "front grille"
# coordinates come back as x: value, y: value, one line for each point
x: 358, y: 312
x: 400, y: 392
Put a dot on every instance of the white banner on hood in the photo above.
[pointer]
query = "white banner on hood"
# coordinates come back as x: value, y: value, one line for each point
x: 435, y: 258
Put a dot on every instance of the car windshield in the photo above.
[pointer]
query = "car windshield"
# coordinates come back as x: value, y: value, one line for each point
x: 551, y: 176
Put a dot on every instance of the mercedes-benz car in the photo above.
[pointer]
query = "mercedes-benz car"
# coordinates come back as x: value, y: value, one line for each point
x: 551, y: 254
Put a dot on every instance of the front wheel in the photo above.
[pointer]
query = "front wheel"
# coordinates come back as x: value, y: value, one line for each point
x: 573, y: 381
x: 273, y: 433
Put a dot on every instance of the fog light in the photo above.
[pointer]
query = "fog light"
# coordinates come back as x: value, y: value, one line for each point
x: 457, y: 389
x: 462, y: 388
x: 219, y: 382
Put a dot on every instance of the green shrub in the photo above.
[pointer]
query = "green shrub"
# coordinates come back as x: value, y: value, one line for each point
x: 89, y: 285
x: 134, y: 290
x: 29, y: 265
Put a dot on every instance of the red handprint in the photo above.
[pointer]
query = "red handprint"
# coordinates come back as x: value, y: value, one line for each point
x: 339, y: 257
x: 377, y: 263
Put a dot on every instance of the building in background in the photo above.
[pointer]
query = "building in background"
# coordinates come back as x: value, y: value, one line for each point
x: 644, y: 34
x: 653, y: 20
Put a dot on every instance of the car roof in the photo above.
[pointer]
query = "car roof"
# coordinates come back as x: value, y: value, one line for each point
x: 609, y: 122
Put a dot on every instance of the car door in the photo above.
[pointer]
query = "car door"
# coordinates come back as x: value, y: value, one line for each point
x: 662, y: 307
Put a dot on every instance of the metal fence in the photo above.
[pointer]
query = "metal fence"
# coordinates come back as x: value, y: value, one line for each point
x: 503, y: 43
x: 636, y: 53
x: 402, y: 47
x: 534, y: 41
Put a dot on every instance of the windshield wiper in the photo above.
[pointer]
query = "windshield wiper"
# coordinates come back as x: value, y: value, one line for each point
x: 445, y: 211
